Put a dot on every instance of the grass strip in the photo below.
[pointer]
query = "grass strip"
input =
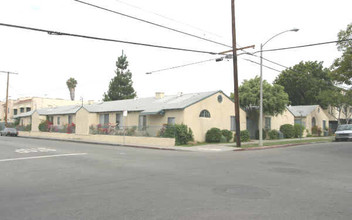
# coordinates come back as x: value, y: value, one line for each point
x: 288, y: 142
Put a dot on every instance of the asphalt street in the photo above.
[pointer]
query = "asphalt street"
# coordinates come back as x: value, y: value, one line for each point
x: 43, y: 179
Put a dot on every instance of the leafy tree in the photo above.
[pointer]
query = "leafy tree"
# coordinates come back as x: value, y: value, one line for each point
x: 304, y: 83
x: 340, y: 99
x: 120, y: 86
x: 274, y: 97
x: 71, y: 84
x: 342, y: 67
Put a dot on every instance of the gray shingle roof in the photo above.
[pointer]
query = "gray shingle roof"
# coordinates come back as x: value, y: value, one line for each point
x: 146, y: 106
x: 150, y: 105
x: 23, y: 115
x: 60, y: 110
x: 303, y: 110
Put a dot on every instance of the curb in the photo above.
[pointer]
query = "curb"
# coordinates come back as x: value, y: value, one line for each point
x: 278, y: 146
x: 101, y: 143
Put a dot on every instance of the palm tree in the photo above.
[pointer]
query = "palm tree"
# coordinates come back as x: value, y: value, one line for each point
x: 71, y: 84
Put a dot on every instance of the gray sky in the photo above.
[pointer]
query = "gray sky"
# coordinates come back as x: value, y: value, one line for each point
x: 44, y: 62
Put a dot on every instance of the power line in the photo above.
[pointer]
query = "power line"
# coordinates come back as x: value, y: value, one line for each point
x: 106, y: 39
x: 263, y: 65
x: 152, y: 23
x: 180, y: 66
x: 306, y: 45
x: 167, y: 18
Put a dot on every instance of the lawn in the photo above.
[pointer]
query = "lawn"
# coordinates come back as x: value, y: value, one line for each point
x: 287, y: 142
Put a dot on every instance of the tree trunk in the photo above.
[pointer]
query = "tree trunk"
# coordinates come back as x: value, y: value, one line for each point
x: 72, y: 93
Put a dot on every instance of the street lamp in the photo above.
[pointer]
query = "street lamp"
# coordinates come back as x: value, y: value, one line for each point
x: 261, y: 85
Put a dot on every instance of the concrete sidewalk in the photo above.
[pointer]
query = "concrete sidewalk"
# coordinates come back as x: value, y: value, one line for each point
x: 221, y: 147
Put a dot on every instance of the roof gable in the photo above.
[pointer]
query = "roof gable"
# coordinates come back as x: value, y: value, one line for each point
x: 302, y: 110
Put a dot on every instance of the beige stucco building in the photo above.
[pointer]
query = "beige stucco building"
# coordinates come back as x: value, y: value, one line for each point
x: 274, y: 122
x: 28, y: 104
x: 199, y: 111
x: 310, y: 116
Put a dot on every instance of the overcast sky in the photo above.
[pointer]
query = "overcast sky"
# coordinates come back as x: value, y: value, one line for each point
x: 44, y: 62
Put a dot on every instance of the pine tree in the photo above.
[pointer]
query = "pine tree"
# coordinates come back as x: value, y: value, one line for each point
x: 120, y: 86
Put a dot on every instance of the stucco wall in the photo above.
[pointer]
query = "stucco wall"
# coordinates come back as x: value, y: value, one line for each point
x: 63, y: 119
x: 276, y: 121
x: 159, y: 120
x: 127, y: 140
x: 220, y: 116
x: 319, y: 115
x: 36, y: 119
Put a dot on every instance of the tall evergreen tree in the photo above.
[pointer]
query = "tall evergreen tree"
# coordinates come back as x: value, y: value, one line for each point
x: 120, y: 86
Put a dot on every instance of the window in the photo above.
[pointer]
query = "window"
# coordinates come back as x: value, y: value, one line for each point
x: 313, y: 122
x: 119, y: 120
x: 267, y: 123
x: 15, y: 111
x: 28, y: 109
x: 51, y: 119
x: 324, y: 125
x: 70, y: 119
x: 104, y: 119
x: 142, y: 124
x: 58, y: 120
x: 233, y: 123
x: 204, y: 114
x: 219, y: 98
x: 21, y: 110
x: 171, y: 120
x: 299, y: 121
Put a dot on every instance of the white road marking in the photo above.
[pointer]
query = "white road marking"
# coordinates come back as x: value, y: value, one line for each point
x: 34, y: 150
x: 41, y: 157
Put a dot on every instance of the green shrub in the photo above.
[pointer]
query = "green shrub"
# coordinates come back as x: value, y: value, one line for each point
x: 244, y: 135
x: 273, y: 134
x: 168, y: 131
x: 223, y: 139
x: 287, y: 130
x: 45, y: 126
x: 264, y: 134
x: 298, y: 130
x: 316, y: 131
x: 227, y: 134
x: 213, y: 135
x: 183, y: 134
x: 180, y: 132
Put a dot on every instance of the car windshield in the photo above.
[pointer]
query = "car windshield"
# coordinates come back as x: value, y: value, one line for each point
x: 10, y: 129
x: 344, y: 127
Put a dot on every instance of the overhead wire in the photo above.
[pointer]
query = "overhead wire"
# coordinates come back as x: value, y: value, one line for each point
x: 180, y: 66
x: 306, y: 45
x: 151, y: 23
x: 51, y: 32
x: 167, y: 18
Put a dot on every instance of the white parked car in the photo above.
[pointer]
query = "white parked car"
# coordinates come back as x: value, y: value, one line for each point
x: 343, y: 132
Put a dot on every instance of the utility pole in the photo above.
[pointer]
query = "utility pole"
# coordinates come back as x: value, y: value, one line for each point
x: 235, y: 76
x: 7, y: 93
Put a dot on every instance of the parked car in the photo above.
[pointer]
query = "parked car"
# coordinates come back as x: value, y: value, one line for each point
x: 343, y: 133
x: 9, y: 132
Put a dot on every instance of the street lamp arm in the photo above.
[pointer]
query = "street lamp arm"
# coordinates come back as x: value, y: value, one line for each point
x: 295, y: 30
